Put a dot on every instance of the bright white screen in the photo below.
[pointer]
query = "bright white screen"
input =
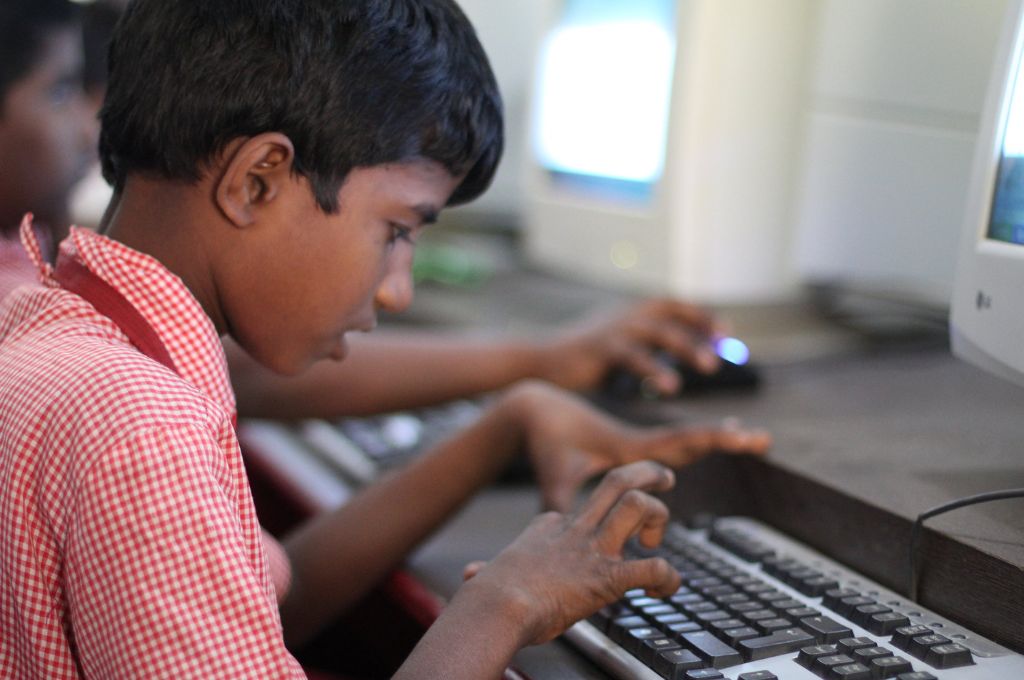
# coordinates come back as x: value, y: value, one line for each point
x: 604, y: 90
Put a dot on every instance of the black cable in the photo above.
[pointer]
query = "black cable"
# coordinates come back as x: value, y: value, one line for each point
x: 915, y: 532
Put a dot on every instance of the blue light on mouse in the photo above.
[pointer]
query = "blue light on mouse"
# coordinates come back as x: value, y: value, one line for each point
x: 732, y: 350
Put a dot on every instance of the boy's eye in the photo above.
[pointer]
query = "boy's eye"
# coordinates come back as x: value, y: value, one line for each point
x: 62, y: 92
x: 400, y: 233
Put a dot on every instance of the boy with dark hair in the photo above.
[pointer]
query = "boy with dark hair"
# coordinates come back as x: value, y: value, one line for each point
x: 47, y: 134
x: 273, y: 162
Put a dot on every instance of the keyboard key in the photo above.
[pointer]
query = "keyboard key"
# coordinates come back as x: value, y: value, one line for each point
x: 815, y: 586
x: 720, y: 625
x: 778, y: 565
x: 919, y: 645
x: 641, y: 602
x: 733, y: 636
x: 617, y: 628
x: 851, y: 644
x: 807, y: 655
x: 732, y: 598
x: 869, y: 653
x: 685, y: 598
x: 860, y: 615
x: 832, y: 597
x: 665, y: 620
x: 847, y: 604
x: 823, y: 664
x: 882, y: 624
x: 788, y: 603
x: 758, y: 675
x: 758, y: 615
x: 740, y: 544
x: 605, y: 615
x: 850, y: 671
x: 702, y: 606
x: 825, y: 629
x: 768, y: 626
x: 890, y: 666
x: 685, y: 627
x: 656, y: 610
x: 744, y: 606
x: 795, y: 576
x: 674, y: 663
x: 716, y: 592
x: 950, y: 655
x: 634, y: 637
x: 711, y: 649
x: 754, y: 588
x: 780, y: 642
x: 901, y: 637
x: 650, y: 649
x: 801, y: 612
x: 713, y: 615
x: 918, y: 675
x: 704, y: 674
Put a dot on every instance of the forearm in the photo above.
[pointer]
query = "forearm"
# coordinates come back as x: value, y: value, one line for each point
x: 386, y: 372
x: 474, y: 638
x: 337, y: 558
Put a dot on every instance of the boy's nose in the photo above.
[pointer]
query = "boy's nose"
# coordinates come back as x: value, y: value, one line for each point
x: 395, y: 292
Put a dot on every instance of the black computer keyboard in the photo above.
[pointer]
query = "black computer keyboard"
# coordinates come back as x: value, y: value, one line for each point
x: 757, y: 605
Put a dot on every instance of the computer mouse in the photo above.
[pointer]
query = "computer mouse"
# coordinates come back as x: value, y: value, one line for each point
x: 735, y: 372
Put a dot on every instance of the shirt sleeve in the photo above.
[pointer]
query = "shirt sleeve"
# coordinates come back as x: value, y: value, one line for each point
x: 161, y: 579
x: 280, y: 565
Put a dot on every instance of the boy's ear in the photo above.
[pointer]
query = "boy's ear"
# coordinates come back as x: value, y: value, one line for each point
x: 255, y: 173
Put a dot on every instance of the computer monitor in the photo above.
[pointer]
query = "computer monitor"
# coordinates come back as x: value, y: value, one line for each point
x: 987, y: 310
x: 661, y: 145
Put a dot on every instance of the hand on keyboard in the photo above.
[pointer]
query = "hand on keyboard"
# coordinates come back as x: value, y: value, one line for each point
x: 569, y: 441
x: 563, y: 568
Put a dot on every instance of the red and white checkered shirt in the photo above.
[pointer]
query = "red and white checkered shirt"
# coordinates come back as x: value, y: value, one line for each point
x: 129, y: 545
x: 15, y: 266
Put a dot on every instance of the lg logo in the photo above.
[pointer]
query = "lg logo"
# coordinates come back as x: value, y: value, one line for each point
x: 983, y: 301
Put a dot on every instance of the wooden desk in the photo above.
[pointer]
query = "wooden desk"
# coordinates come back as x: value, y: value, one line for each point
x: 862, y: 445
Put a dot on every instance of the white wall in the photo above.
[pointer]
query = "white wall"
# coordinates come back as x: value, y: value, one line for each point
x: 891, y: 120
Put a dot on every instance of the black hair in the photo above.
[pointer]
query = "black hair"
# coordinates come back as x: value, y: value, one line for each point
x: 352, y: 83
x: 98, y: 21
x: 24, y: 24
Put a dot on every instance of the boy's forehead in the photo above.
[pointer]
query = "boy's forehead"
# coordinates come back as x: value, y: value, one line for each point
x: 421, y: 185
x: 60, y: 50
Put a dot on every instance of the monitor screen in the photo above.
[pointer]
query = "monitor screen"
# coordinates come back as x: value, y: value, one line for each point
x: 1007, y: 220
x: 987, y: 311
x: 604, y: 90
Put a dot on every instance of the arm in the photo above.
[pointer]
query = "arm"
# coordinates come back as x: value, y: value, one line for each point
x: 526, y: 597
x: 338, y: 557
x: 394, y: 371
x: 385, y: 372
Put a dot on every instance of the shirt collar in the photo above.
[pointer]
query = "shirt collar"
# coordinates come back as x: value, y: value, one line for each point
x: 160, y: 297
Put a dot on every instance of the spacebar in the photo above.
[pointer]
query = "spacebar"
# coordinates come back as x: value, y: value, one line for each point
x: 779, y: 642
x: 711, y: 649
